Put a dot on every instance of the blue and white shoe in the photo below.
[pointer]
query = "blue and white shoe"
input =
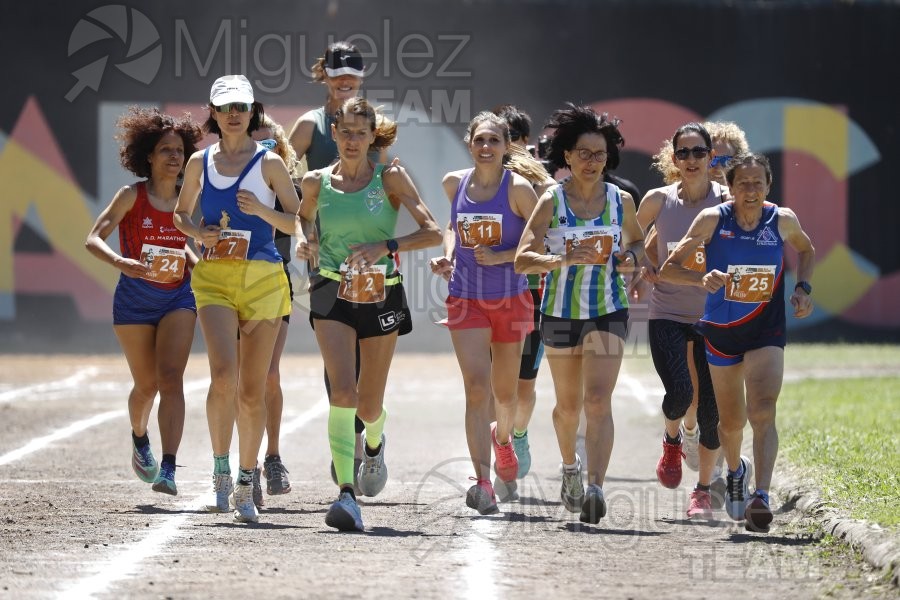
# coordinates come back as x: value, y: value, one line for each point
x: 344, y: 514
x: 165, y: 481
x: 143, y: 463
x: 737, y: 492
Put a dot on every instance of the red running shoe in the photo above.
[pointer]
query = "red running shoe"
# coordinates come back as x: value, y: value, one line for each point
x: 506, y: 463
x: 668, y: 469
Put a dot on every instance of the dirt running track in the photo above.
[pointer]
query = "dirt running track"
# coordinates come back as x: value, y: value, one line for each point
x: 76, y: 522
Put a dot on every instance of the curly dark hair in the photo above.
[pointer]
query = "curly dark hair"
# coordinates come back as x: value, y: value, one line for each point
x: 573, y: 121
x: 142, y: 128
x: 210, y: 126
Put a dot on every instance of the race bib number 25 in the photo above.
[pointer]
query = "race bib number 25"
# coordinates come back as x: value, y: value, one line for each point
x: 166, y: 264
x: 750, y: 283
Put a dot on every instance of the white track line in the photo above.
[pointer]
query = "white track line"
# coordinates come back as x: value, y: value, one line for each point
x: 69, y: 383
x: 479, y: 575
x: 60, y: 434
x: 128, y: 562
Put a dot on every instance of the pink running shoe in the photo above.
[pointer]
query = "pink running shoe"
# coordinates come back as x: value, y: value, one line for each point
x: 481, y: 497
x: 668, y: 469
x: 506, y: 463
x: 701, y: 505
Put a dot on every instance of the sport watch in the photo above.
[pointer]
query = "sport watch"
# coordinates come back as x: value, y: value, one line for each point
x: 392, y: 246
x: 804, y: 285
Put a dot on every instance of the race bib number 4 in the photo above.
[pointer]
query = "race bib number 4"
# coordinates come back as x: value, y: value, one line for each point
x: 233, y: 244
x: 694, y: 262
x: 363, y: 286
x: 485, y: 230
x: 750, y: 283
x: 605, y: 241
x: 166, y: 264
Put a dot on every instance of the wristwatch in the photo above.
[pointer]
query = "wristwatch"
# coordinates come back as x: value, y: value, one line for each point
x: 392, y: 246
x: 804, y: 285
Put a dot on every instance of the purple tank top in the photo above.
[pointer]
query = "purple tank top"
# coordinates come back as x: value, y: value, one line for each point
x: 491, y: 223
x: 679, y: 303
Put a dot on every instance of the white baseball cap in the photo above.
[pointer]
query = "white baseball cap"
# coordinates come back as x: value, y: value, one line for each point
x: 231, y: 88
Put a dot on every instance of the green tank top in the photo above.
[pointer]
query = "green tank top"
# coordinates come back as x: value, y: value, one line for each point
x: 352, y: 218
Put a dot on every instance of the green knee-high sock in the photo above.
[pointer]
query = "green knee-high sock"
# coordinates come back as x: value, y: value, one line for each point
x: 342, y: 438
x: 374, y: 431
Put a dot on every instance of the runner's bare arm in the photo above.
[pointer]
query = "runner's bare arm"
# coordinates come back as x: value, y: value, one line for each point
x: 103, y: 227
x: 530, y: 256
x: 307, y: 247
x: 632, y: 246
x: 207, y: 235
x: 792, y: 233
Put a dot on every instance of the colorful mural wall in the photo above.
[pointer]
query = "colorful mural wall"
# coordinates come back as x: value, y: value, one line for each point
x: 833, y: 144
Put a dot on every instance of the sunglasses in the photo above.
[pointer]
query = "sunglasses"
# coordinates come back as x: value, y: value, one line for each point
x: 720, y: 161
x: 696, y: 151
x: 585, y: 154
x: 268, y: 144
x: 241, y: 107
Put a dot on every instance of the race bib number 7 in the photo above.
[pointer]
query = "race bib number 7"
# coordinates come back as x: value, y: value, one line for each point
x: 363, y: 286
x: 604, y: 239
x: 750, y: 283
x: 473, y: 229
x: 233, y: 244
x: 166, y: 264
x: 694, y: 262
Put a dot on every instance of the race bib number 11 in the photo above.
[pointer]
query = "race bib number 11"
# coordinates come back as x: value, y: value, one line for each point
x: 750, y: 283
x: 166, y: 264
x: 486, y: 230
x: 233, y: 244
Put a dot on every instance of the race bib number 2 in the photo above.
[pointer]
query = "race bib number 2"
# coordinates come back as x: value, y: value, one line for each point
x: 750, y: 283
x: 166, y: 264
x: 233, y: 244
x: 694, y: 262
x: 486, y: 230
x: 363, y: 286
x: 604, y: 239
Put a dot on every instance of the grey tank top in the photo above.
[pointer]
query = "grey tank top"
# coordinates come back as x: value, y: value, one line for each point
x: 679, y: 303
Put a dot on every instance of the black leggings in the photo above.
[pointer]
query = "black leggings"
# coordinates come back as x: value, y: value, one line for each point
x: 668, y: 346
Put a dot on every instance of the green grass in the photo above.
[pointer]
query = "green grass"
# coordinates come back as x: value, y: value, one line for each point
x: 843, y: 356
x: 846, y: 432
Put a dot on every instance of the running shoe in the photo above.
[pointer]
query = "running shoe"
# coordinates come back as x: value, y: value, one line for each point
x: 481, y: 497
x: 244, y: 507
x: 758, y: 516
x: 691, y: 446
x: 165, y: 481
x: 737, y: 491
x: 372, y: 473
x: 344, y: 514
x: 668, y: 469
x: 223, y: 486
x: 523, y: 453
x: 572, y: 491
x: 717, y: 488
x: 143, y: 463
x: 276, y: 476
x: 701, y: 505
x: 506, y: 464
x: 506, y: 491
x: 257, y: 488
x: 594, y: 506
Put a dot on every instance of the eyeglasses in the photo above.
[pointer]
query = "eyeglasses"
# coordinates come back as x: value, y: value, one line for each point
x: 696, y: 151
x: 585, y: 154
x: 268, y: 144
x: 241, y: 107
x: 720, y: 161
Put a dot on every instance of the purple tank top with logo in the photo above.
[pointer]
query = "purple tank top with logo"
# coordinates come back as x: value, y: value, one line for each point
x: 491, y: 223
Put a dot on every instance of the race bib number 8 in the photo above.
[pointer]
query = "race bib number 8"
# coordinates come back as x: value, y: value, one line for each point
x: 750, y: 283
x: 486, y: 230
x: 363, y: 286
x: 166, y: 264
x: 605, y: 241
x: 694, y: 262
x: 233, y: 244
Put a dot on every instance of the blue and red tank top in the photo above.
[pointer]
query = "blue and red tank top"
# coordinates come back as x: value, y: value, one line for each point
x: 755, y: 260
